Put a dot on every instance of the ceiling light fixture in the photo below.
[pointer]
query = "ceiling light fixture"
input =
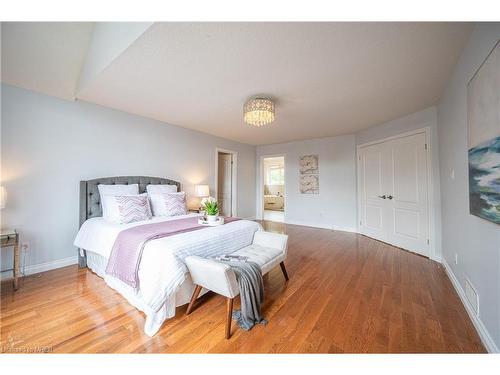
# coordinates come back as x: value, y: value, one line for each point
x: 258, y: 111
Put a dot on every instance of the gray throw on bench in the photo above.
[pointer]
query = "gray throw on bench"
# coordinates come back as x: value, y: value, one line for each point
x: 251, y: 284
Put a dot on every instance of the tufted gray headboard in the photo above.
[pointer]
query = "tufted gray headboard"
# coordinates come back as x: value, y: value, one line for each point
x: 90, y: 201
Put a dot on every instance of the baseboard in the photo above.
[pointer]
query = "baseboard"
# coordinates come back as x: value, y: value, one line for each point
x: 42, y: 267
x: 478, y: 324
x: 308, y: 224
x: 322, y: 226
x: 345, y: 229
x: 436, y: 259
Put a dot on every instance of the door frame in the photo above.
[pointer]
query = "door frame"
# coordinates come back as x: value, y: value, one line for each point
x: 430, y: 184
x: 234, y: 178
x: 260, y: 195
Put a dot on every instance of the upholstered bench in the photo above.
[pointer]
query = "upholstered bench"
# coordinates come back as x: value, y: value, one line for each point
x: 267, y: 250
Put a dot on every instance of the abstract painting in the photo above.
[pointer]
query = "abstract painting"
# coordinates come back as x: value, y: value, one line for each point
x: 483, y: 112
x: 309, y: 184
x: 309, y: 164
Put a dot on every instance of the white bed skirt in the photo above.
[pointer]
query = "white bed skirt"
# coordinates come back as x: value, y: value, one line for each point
x: 154, y: 319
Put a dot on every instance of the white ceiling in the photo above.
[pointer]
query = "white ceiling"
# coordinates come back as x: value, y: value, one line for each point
x: 327, y: 78
x: 45, y: 56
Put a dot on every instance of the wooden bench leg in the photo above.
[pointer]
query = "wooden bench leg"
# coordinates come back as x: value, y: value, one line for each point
x: 282, y: 265
x: 16, y: 263
x: 194, y: 297
x: 229, y: 316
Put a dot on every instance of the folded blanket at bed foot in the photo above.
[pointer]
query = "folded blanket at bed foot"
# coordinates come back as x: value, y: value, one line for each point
x: 251, y: 284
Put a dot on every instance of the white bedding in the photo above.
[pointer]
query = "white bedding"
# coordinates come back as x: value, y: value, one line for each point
x: 162, y: 270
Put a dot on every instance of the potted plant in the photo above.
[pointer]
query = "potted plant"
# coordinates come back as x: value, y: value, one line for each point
x: 211, y: 209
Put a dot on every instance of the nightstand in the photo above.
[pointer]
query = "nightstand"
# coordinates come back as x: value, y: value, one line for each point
x: 9, y: 237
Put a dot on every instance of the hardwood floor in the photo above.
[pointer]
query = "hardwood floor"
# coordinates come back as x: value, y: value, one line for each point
x: 346, y: 294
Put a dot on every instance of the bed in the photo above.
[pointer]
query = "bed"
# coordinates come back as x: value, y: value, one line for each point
x: 164, y: 279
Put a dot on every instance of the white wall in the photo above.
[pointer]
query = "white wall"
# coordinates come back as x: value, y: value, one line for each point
x: 335, y: 205
x: 474, y: 240
x: 415, y: 121
x: 49, y: 145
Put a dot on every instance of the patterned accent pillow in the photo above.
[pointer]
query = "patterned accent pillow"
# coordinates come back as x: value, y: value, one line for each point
x: 109, y: 206
x: 175, y: 203
x: 133, y: 208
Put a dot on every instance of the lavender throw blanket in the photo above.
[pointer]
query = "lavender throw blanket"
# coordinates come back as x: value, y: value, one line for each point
x: 127, y: 250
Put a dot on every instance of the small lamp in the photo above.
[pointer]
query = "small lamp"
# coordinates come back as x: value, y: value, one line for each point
x: 201, y: 191
x: 3, y: 197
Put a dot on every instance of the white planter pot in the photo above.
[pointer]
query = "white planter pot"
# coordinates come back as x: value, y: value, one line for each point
x: 211, y: 218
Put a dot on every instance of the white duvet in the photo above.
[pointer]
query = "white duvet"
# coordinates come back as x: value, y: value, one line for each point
x: 162, y: 269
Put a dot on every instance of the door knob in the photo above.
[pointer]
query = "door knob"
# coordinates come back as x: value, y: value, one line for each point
x: 382, y: 196
x: 390, y: 197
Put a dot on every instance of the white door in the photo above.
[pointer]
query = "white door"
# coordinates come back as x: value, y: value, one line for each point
x: 394, y: 192
x: 373, y: 220
x: 224, y: 186
x: 408, y: 194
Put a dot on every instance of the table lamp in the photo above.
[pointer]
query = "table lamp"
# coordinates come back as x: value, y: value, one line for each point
x: 201, y: 191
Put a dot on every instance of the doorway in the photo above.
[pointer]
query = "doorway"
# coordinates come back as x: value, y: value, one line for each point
x: 273, y: 199
x: 225, y: 181
x: 393, y: 191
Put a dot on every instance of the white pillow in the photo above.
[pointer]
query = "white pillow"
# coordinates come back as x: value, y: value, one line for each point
x: 168, y: 204
x: 156, y: 189
x: 132, y: 189
x: 109, y: 207
x: 122, y: 209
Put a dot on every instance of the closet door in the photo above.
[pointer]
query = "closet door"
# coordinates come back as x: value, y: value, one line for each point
x: 407, y: 194
x: 393, y: 192
x: 373, y: 171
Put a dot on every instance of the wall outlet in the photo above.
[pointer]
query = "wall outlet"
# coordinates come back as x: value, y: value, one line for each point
x: 456, y: 258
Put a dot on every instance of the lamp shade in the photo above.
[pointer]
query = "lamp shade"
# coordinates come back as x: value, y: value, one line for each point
x: 3, y: 197
x: 201, y: 190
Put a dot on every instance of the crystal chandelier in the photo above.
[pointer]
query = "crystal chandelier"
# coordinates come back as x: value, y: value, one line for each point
x: 258, y: 111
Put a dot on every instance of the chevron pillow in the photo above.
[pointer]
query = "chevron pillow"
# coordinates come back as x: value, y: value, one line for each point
x: 168, y: 204
x: 175, y: 203
x: 133, y: 208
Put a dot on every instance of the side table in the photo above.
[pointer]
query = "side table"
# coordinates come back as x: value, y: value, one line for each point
x: 9, y: 237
